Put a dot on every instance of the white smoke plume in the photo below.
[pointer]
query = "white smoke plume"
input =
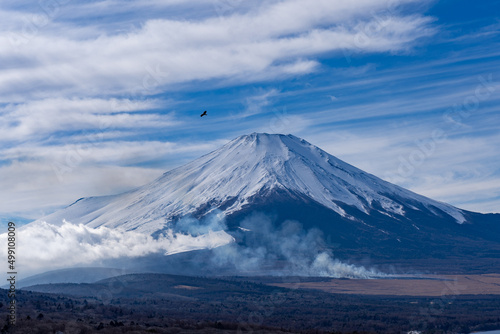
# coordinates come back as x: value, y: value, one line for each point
x: 259, y: 247
x: 195, y: 227
x: 284, y: 250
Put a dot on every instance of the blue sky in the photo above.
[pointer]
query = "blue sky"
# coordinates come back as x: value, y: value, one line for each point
x: 97, y: 97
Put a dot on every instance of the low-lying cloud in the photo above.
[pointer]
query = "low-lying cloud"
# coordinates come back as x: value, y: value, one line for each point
x: 44, y: 247
x: 257, y: 247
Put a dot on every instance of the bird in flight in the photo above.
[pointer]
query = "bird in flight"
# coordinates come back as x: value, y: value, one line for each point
x: 204, y: 114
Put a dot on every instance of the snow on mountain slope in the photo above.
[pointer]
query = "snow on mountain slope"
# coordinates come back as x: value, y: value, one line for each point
x: 228, y: 178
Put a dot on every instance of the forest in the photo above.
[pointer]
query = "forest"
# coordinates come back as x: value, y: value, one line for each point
x: 180, y: 304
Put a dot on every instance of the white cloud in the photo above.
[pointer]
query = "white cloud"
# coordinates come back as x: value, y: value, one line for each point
x: 275, y: 38
x: 47, y: 177
x: 44, y: 247
x: 39, y: 189
x: 41, y: 118
x: 452, y: 170
x: 257, y: 103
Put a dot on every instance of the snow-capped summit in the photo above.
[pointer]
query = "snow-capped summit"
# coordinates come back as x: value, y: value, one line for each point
x: 250, y: 166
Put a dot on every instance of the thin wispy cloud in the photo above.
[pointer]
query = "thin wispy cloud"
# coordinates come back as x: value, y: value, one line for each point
x: 163, y: 52
x: 41, y: 118
x: 54, y: 176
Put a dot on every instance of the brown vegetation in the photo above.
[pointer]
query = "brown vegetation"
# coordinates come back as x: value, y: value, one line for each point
x: 429, y: 285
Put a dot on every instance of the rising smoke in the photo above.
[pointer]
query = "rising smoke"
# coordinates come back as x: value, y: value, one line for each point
x: 257, y: 247
x: 288, y: 249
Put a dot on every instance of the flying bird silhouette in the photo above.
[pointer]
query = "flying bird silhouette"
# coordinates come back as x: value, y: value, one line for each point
x: 204, y: 114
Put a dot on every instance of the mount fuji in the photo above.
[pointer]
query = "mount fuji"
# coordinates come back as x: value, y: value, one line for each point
x: 287, y: 178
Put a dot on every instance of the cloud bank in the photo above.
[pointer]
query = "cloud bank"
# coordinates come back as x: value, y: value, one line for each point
x: 42, y: 247
x: 257, y: 248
